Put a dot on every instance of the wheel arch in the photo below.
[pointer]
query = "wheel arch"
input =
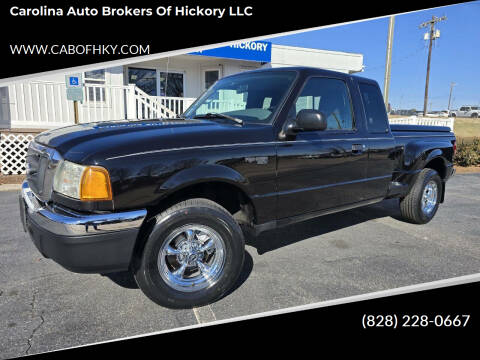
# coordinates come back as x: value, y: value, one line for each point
x: 220, y: 184
x: 439, y: 164
x: 213, y: 182
x: 420, y: 155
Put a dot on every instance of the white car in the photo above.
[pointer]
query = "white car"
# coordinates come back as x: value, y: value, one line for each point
x: 437, y: 114
x: 466, y: 111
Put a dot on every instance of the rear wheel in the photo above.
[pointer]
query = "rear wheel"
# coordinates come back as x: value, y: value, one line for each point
x: 474, y: 115
x: 421, y: 204
x: 193, y: 255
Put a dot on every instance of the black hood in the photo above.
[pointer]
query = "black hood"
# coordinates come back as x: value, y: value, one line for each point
x: 93, y: 142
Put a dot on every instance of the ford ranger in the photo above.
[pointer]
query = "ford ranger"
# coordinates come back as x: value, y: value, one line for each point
x: 170, y: 199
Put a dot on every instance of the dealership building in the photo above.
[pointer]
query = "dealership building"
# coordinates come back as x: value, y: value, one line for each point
x: 159, y: 87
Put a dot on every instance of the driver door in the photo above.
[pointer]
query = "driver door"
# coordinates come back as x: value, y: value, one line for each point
x: 319, y: 170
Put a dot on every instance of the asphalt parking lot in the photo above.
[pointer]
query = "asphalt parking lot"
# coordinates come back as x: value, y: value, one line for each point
x: 44, y: 307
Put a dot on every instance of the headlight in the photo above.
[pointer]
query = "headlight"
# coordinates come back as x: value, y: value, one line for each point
x: 82, y: 182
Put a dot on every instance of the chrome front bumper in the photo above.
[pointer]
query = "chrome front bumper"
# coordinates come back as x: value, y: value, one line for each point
x: 94, y: 243
x: 68, y: 223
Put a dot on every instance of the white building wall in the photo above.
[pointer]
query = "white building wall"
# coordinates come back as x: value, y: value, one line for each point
x: 113, y: 76
x: 192, y: 67
x: 20, y: 98
x: 329, y: 60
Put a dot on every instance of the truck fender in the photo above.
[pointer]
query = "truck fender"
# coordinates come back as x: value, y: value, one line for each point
x: 437, y: 153
x: 203, y: 173
x: 419, y: 153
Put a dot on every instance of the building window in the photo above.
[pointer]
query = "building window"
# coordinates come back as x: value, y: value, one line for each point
x: 210, y: 77
x: 172, y: 82
x: 168, y: 84
x: 145, y: 79
x: 97, y: 79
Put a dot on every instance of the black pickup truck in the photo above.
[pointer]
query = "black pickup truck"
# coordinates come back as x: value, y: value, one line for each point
x: 170, y: 199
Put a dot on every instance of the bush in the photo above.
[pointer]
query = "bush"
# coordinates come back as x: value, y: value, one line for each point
x: 468, y: 154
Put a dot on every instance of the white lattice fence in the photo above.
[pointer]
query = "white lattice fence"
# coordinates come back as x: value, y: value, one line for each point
x: 13, y: 150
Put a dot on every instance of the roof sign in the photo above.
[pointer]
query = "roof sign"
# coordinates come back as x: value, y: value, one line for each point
x: 260, y: 51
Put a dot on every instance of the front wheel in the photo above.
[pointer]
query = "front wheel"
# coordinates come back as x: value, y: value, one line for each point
x: 193, y: 255
x: 421, y: 203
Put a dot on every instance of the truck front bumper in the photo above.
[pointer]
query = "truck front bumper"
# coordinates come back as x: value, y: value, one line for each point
x: 94, y: 243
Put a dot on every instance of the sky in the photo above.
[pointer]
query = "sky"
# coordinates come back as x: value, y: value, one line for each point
x: 455, y: 55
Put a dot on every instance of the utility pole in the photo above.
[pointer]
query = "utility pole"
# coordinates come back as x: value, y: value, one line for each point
x: 388, y: 60
x: 450, y: 96
x: 432, y: 35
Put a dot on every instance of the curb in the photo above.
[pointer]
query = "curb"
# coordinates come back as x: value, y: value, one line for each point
x: 10, y: 187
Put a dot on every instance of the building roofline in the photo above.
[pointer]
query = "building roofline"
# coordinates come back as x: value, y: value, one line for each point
x: 321, y: 51
x: 311, y: 69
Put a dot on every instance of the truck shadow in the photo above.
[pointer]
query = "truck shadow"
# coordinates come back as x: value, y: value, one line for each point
x: 124, y: 279
x: 285, y: 236
x: 275, y: 239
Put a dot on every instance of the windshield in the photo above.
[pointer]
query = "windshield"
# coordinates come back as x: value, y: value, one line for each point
x: 251, y: 97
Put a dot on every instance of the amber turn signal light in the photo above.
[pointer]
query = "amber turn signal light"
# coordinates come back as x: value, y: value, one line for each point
x: 95, y: 184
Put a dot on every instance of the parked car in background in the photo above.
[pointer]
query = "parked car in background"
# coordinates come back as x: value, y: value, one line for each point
x: 466, y: 111
x: 442, y: 113
x: 403, y: 112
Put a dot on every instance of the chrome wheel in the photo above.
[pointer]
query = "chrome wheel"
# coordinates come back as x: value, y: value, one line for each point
x: 192, y: 258
x: 429, y: 197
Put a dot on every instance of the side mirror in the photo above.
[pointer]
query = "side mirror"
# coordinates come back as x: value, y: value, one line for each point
x: 307, y: 120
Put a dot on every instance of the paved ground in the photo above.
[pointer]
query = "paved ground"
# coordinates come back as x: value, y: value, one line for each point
x: 44, y: 307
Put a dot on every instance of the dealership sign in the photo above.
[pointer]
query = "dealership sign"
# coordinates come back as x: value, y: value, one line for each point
x: 260, y: 51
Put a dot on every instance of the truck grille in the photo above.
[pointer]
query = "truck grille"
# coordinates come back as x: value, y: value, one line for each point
x: 41, y: 165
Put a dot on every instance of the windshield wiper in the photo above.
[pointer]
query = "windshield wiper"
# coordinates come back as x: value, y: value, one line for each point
x: 213, y: 115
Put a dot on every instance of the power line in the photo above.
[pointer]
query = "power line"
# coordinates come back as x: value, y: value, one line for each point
x: 398, y: 60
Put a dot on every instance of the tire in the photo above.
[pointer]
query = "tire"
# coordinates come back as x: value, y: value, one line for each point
x: 169, y: 261
x: 416, y: 208
x: 474, y: 115
x: 453, y: 115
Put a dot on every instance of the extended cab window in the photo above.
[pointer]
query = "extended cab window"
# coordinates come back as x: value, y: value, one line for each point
x: 377, y: 120
x: 329, y: 96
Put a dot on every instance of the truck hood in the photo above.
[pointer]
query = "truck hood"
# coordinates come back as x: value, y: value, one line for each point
x: 92, y: 143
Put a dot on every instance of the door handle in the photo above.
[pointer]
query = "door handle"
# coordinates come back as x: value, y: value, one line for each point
x: 358, y: 148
